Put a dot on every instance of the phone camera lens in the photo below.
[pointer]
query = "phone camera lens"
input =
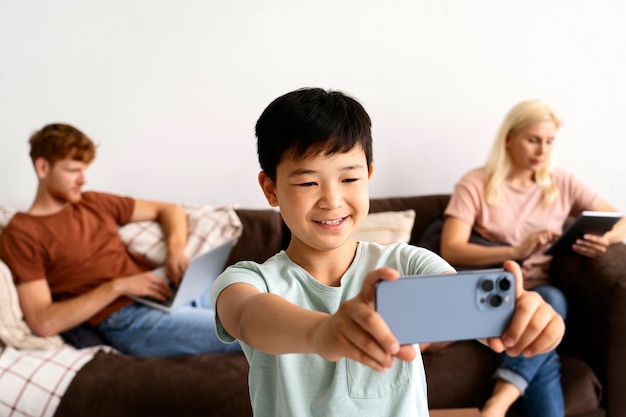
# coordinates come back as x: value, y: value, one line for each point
x: 495, y: 300
x: 504, y: 284
x: 486, y: 285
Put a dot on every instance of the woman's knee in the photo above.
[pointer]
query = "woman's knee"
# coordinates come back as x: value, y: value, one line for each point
x: 554, y: 297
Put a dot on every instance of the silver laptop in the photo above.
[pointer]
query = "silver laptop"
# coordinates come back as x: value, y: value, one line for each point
x: 198, y: 278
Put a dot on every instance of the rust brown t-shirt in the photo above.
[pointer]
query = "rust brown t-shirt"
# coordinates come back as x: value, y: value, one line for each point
x: 75, y: 249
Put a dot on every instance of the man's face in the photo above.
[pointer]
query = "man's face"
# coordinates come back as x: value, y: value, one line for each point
x: 322, y: 198
x: 65, y: 179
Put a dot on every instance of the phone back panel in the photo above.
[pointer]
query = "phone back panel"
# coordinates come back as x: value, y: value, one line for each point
x: 447, y: 307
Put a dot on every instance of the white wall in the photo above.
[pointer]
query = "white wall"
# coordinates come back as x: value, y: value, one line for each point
x: 171, y: 90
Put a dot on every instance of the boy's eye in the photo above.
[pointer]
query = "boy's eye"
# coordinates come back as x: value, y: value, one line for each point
x: 306, y: 184
x: 350, y: 180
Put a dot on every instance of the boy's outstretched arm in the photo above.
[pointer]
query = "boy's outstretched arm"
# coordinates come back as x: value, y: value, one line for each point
x: 535, y: 327
x: 273, y: 325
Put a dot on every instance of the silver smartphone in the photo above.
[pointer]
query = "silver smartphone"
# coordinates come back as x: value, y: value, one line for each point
x: 447, y: 307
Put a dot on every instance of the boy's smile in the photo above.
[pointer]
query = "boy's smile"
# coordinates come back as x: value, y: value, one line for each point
x: 322, y: 199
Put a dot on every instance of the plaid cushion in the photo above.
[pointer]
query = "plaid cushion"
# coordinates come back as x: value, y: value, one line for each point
x: 209, y: 227
x: 32, y: 382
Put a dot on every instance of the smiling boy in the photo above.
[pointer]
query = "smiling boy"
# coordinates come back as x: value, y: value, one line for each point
x: 305, y: 318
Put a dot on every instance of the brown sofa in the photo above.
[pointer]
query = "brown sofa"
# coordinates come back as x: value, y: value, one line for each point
x: 593, y: 351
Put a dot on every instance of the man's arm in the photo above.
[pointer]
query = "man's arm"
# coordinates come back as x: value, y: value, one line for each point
x: 173, y: 221
x: 46, y: 317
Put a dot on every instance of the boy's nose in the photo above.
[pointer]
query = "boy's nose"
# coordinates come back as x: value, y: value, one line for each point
x: 330, y: 199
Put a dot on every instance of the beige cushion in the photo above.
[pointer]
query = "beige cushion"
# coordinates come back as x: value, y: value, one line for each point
x: 5, y: 215
x: 386, y: 227
x: 209, y: 226
x: 13, y: 329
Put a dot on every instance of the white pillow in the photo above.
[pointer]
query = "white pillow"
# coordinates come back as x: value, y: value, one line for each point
x: 13, y: 329
x: 5, y: 215
x: 386, y: 227
x: 209, y: 227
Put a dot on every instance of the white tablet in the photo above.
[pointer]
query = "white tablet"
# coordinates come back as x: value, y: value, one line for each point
x: 589, y: 222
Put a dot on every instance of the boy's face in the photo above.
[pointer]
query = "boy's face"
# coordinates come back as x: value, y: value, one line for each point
x: 322, y: 199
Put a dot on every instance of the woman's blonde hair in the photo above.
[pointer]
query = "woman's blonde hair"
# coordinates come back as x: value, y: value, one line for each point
x: 499, y: 162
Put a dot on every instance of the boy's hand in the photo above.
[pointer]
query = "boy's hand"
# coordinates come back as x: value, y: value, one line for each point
x: 356, y: 331
x: 535, y: 327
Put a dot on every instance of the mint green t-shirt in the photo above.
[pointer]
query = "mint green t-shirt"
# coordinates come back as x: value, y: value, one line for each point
x: 306, y: 385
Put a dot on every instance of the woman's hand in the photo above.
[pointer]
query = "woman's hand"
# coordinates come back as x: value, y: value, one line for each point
x: 591, y: 246
x: 534, y: 242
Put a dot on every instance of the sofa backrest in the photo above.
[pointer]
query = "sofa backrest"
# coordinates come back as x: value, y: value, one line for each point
x: 427, y: 209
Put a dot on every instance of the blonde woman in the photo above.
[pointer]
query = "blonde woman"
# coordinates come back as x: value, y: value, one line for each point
x: 521, y: 200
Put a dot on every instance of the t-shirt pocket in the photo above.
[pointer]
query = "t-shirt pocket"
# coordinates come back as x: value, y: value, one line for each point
x: 364, y: 382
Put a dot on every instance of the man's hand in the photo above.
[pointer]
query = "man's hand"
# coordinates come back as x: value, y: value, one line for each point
x: 145, y: 284
x: 535, y: 327
x: 175, y: 266
x: 356, y: 331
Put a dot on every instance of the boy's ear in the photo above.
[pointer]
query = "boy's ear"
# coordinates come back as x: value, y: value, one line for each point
x: 42, y: 167
x: 370, y: 171
x: 267, y: 185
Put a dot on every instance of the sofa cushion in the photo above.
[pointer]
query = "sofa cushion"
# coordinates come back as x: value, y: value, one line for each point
x: 13, y: 329
x: 386, y: 227
x: 455, y: 381
x: 5, y: 215
x: 33, y: 382
x: 209, y: 226
x: 208, y: 385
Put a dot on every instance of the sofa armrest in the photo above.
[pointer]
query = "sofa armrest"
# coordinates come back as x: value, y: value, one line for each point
x: 596, y: 322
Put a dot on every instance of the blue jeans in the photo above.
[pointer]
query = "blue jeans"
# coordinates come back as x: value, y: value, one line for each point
x: 538, y: 378
x: 141, y: 330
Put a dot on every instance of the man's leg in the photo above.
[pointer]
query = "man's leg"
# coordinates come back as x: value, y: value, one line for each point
x: 142, y: 330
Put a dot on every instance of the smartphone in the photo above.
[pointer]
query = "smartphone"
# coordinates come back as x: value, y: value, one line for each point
x: 447, y: 307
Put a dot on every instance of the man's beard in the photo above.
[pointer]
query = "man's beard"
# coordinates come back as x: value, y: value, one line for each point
x: 66, y: 196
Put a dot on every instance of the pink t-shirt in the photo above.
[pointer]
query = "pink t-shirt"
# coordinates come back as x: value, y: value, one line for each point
x: 520, y: 212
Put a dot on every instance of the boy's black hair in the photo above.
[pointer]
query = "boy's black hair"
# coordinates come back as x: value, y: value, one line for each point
x: 310, y: 121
